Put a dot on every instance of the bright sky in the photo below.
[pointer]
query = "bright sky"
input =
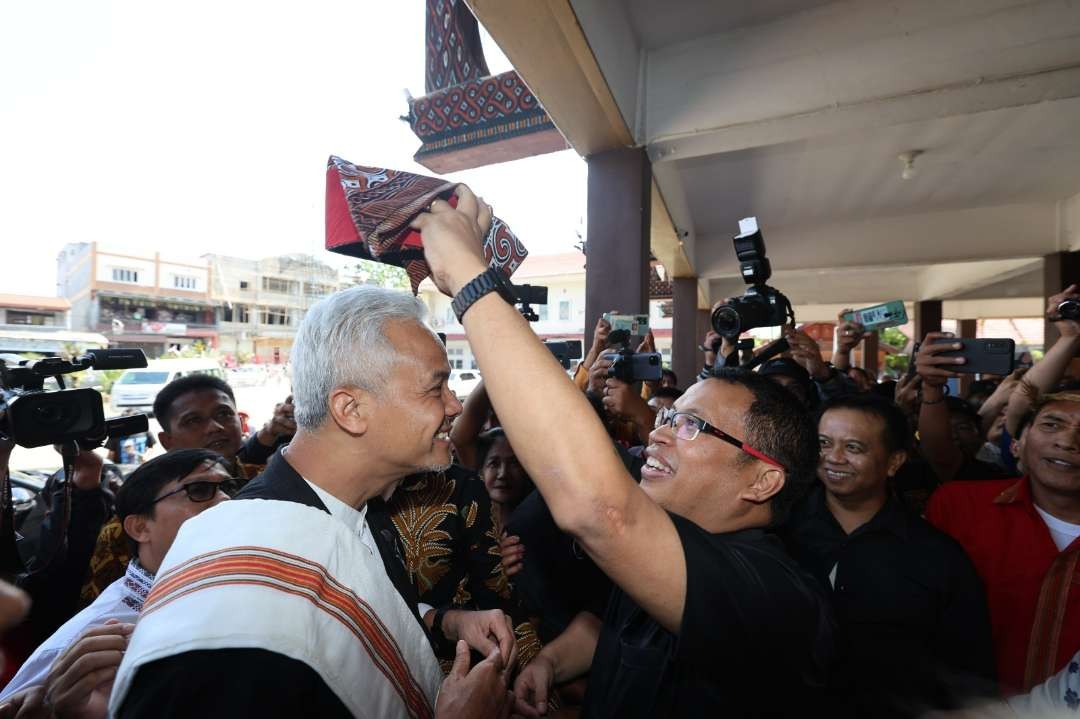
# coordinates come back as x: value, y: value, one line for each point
x: 205, y: 126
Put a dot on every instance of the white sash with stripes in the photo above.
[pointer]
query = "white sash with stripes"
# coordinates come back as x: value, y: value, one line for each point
x: 288, y: 578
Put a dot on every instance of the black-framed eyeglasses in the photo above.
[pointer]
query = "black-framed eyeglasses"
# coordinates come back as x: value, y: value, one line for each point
x: 689, y: 426
x: 203, y: 490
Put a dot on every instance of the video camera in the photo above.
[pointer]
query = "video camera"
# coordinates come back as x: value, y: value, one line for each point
x: 30, y: 416
x: 760, y: 305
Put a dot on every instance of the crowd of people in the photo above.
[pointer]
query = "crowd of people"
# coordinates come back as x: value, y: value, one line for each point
x: 797, y: 539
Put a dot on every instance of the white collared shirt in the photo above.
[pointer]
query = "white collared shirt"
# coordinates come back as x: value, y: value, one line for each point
x: 356, y: 520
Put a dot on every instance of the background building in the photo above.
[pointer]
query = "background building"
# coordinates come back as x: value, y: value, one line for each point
x: 137, y: 300
x: 41, y: 325
x: 260, y: 302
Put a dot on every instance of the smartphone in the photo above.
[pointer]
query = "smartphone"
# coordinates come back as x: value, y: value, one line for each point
x: 984, y: 356
x: 634, y: 325
x: 911, y: 360
x: 890, y: 314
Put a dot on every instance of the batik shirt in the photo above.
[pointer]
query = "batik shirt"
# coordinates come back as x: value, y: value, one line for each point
x: 451, y: 548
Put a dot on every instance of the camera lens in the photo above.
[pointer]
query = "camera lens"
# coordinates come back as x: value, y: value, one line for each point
x: 726, y: 321
x: 1069, y: 310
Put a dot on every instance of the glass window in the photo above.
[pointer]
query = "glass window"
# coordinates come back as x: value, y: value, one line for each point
x: 542, y: 312
x: 30, y: 318
x: 144, y: 378
x: 275, y: 316
x: 243, y: 284
x: 123, y: 274
x: 280, y: 285
x: 564, y: 310
x: 184, y: 282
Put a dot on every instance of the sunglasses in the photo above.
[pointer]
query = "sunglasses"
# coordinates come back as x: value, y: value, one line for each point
x: 204, y: 490
x: 688, y: 426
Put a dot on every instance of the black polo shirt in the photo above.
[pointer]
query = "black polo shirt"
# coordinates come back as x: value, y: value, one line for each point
x: 913, y: 627
x: 754, y: 639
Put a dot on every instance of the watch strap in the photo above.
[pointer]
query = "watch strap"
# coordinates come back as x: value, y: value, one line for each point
x: 490, y: 280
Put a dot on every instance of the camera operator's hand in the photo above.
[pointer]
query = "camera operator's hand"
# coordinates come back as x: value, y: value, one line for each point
x: 87, y: 469
x: 934, y: 369
x: 282, y: 424
x: 453, y: 239
x: 906, y: 394
x: 601, y: 332
x: 712, y: 339
x: 622, y: 401
x: 847, y: 336
x: 598, y: 374
x: 805, y: 351
x: 1067, y: 328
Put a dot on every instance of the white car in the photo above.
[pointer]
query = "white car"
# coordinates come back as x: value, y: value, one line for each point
x: 136, y: 389
x: 463, y: 381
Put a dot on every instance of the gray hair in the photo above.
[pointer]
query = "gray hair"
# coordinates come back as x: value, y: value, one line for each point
x: 341, y: 342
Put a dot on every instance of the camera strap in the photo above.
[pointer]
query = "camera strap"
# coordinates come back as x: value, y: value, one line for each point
x: 11, y: 563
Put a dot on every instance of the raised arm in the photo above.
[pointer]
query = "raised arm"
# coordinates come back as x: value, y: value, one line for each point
x: 935, y: 430
x: 1041, y: 378
x: 554, y: 431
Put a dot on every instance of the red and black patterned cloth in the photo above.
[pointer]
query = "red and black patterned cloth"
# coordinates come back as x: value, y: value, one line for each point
x: 368, y: 211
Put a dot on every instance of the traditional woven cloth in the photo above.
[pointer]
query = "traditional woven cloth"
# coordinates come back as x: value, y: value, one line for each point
x: 368, y: 211
x: 290, y: 579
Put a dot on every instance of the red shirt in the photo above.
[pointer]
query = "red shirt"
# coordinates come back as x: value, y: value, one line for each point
x: 997, y: 525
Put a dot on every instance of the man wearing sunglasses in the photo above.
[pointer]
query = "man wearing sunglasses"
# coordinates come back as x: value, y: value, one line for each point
x: 152, y: 504
x: 710, y: 615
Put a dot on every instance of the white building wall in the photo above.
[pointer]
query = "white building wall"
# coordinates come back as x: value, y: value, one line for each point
x: 107, y: 263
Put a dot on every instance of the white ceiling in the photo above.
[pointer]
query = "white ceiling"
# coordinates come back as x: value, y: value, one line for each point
x: 1021, y: 154
x: 671, y: 21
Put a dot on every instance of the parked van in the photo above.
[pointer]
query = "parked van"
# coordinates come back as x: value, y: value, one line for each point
x: 137, y: 388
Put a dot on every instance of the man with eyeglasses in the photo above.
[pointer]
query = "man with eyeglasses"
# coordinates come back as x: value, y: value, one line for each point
x: 151, y: 505
x: 710, y: 615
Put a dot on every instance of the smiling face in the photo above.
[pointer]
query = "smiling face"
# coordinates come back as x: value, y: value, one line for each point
x: 204, y: 419
x: 1050, y: 448
x: 410, y: 420
x: 504, y: 478
x: 855, y: 461
x: 703, y: 478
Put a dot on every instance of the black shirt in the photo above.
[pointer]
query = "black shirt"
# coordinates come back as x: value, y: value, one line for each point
x: 754, y: 639
x: 913, y: 627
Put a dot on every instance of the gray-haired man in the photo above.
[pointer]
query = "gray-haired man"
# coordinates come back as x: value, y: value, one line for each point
x: 326, y: 621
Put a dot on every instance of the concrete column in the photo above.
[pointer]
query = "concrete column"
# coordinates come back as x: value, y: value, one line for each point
x: 968, y: 330
x: 684, y: 330
x: 1060, y: 270
x: 870, y: 354
x: 704, y: 324
x: 617, y: 253
x: 927, y: 318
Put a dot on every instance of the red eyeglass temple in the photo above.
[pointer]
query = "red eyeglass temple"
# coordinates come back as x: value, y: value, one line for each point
x: 764, y: 458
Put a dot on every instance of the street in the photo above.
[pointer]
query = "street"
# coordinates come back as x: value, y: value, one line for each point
x: 257, y: 401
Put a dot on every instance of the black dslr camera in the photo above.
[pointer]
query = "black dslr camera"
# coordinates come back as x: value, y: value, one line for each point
x: 564, y: 350
x: 30, y: 416
x: 761, y: 305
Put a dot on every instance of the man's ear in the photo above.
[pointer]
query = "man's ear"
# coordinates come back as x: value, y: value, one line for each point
x: 351, y: 409
x: 766, y: 485
x: 166, y: 440
x: 896, y: 461
x: 135, y: 527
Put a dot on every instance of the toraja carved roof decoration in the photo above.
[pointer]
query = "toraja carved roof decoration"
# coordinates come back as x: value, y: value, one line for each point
x: 468, y: 118
x: 658, y: 289
x: 454, y: 53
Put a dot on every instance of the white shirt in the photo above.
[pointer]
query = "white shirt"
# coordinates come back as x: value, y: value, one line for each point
x: 1063, y: 533
x: 122, y: 600
x: 356, y: 520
